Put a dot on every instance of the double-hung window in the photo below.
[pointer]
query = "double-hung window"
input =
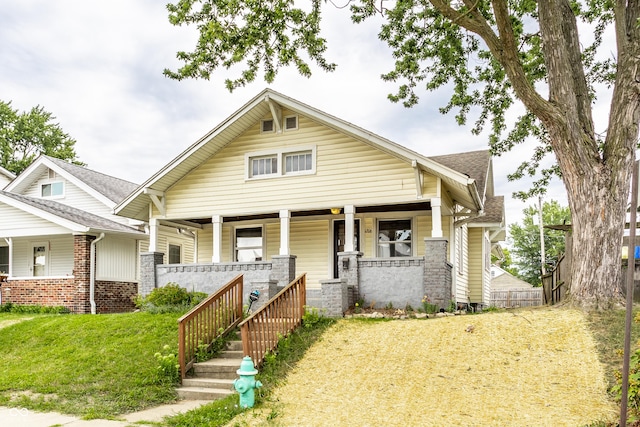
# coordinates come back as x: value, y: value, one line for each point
x: 175, y: 254
x: 264, y: 165
x: 394, y: 238
x: 248, y: 244
x: 298, y: 162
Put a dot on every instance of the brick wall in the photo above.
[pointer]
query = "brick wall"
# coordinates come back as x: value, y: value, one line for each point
x: 115, y: 297
x: 48, y: 292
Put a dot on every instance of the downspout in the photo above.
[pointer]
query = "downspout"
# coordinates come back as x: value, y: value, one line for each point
x: 92, y: 273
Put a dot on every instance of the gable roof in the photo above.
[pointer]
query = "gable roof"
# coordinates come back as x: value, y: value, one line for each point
x: 66, y: 216
x: 109, y: 189
x: 463, y: 187
x: 9, y: 175
x: 474, y: 164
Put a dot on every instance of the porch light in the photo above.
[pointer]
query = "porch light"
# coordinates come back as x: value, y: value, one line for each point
x: 336, y: 211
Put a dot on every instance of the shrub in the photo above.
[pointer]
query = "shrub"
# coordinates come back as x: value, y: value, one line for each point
x: 167, y: 368
x: 32, y: 309
x: 170, y: 298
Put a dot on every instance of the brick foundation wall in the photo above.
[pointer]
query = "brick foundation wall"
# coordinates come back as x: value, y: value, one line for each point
x: 115, y: 297
x: 46, y: 292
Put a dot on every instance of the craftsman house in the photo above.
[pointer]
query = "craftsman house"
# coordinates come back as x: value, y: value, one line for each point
x: 61, y: 244
x: 280, y: 188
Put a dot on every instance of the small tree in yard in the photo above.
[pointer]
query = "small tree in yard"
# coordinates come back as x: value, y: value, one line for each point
x: 525, y: 239
x: 489, y: 53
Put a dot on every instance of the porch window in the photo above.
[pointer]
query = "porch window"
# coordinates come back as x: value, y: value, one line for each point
x: 52, y: 189
x: 175, y: 254
x: 394, y: 238
x: 4, y: 259
x: 248, y: 244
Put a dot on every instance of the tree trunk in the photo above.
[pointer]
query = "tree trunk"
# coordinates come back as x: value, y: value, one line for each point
x: 597, y: 202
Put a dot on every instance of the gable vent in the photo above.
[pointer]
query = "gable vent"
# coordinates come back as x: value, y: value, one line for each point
x: 267, y: 125
x: 52, y: 174
x: 291, y: 123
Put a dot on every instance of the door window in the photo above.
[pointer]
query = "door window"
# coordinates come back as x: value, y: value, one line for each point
x: 40, y: 255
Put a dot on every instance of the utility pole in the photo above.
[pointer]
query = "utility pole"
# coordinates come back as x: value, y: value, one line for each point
x: 542, y: 254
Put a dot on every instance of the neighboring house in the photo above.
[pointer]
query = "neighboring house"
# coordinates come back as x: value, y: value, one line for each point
x: 61, y: 244
x: 501, y: 279
x: 281, y: 188
x: 5, y: 177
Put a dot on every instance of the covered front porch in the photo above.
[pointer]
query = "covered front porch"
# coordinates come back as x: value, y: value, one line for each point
x: 381, y: 254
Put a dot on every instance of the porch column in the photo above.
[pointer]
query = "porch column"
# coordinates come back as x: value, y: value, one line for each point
x: 216, y: 220
x: 349, y: 228
x: 436, y: 217
x: 153, y: 234
x: 285, y: 220
x: 9, y: 241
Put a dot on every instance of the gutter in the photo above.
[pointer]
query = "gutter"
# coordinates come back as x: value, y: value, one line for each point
x: 92, y: 274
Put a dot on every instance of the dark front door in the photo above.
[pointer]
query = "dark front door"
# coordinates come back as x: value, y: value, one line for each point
x: 338, y: 241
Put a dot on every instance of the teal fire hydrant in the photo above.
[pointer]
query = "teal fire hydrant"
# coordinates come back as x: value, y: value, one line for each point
x: 246, y: 384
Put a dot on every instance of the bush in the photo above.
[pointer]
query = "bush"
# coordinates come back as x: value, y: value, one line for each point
x: 170, y: 298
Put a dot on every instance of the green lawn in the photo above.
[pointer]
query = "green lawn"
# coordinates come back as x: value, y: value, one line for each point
x: 91, y: 366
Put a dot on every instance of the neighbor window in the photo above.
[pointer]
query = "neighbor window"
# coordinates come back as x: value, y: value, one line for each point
x: 52, y: 189
x: 394, y: 238
x: 248, y: 244
x: 4, y: 259
x: 175, y: 254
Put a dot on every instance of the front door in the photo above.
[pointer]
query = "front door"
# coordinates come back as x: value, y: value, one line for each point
x: 40, y: 255
x: 338, y: 241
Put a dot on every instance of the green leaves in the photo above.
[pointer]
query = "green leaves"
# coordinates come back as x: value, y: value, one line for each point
x: 24, y: 136
x: 253, y: 35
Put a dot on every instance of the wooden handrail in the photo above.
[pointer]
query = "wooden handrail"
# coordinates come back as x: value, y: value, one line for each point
x: 213, y: 317
x: 276, y: 319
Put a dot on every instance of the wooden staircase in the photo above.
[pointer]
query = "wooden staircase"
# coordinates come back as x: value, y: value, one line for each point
x: 213, y: 379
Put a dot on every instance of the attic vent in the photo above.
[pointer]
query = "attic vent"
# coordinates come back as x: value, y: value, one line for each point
x: 52, y: 174
x: 291, y: 123
x: 267, y: 125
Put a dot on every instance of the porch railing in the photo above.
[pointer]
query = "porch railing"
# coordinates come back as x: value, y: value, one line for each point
x: 213, y: 317
x: 281, y: 315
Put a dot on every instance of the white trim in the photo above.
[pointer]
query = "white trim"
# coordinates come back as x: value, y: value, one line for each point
x: 280, y: 155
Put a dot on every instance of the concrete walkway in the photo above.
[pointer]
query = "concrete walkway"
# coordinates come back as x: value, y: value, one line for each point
x: 16, y: 417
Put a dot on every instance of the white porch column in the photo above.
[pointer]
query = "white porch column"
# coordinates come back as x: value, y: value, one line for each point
x: 349, y: 228
x: 153, y: 234
x: 9, y: 241
x: 216, y: 220
x: 285, y: 220
x: 436, y: 217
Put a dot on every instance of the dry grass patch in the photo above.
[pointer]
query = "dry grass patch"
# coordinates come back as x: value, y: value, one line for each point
x: 536, y: 367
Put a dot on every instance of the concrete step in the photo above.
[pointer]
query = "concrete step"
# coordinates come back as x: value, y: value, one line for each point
x: 203, y: 382
x: 235, y: 345
x: 202, y: 393
x: 231, y: 354
x: 217, y: 368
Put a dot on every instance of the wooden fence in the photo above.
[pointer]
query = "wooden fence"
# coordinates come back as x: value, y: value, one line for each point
x: 555, y: 283
x: 213, y: 317
x: 281, y: 315
x: 521, y: 297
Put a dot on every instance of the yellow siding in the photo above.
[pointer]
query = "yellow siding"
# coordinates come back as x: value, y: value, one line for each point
x: 272, y: 231
x: 367, y: 234
x: 347, y: 172
x: 475, y: 264
x: 205, y: 245
x: 310, y: 243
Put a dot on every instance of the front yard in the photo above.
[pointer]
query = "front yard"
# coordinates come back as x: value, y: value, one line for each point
x: 91, y: 366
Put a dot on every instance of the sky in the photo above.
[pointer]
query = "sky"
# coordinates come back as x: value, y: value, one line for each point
x: 97, y: 67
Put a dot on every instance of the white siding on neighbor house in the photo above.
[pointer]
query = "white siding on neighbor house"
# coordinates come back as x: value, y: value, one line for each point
x: 347, y: 172
x: 486, y: 284
x: 461, y: 266
x: 116, y: 259
x: 74, y: 196
x: 60, y: 253
x: 17, y: 223
x: 476, y: 265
